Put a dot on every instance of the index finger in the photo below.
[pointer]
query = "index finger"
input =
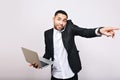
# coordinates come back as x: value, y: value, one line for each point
x: 115, y: 28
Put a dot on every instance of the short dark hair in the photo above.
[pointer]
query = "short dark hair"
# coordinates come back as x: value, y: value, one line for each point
x: 62, y: 12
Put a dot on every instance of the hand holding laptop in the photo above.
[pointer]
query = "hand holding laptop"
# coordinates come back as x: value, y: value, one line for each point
x: 35, y: 61
x: 35, y: 65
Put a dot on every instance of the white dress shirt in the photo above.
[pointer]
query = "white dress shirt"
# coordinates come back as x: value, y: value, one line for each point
x: 61, y: 68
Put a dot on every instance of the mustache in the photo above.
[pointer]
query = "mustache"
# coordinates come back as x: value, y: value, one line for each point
x: 62, y: 29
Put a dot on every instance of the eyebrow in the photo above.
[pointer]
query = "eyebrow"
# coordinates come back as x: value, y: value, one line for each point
x: 63, y: 19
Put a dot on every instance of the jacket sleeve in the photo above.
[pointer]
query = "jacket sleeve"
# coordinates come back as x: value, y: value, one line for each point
x: 84, y: 32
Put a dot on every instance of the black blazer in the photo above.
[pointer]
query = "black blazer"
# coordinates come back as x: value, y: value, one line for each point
x: 68, y: 35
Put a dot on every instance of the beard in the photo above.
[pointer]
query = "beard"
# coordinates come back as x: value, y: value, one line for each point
x: 59, y: 27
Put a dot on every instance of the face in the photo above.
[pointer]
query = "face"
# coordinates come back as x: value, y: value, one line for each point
x: 60, y: 21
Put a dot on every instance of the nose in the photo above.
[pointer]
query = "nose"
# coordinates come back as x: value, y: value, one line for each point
x: 61, y: 22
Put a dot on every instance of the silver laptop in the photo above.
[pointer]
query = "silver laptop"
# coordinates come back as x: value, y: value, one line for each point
x: 32, y: 57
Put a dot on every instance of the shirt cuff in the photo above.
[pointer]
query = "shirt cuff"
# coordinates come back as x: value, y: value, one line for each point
x: 96, y: 32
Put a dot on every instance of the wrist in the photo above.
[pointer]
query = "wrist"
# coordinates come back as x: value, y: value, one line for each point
x: 99, y: 32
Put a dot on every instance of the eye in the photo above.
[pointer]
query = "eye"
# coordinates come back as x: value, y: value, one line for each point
x: 65, y: 20
x: 58, y: 19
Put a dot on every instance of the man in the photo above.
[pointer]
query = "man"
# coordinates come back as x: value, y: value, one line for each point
x: 61, y: 48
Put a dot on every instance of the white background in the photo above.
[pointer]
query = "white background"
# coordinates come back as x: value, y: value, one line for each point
x: 23, y: 22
